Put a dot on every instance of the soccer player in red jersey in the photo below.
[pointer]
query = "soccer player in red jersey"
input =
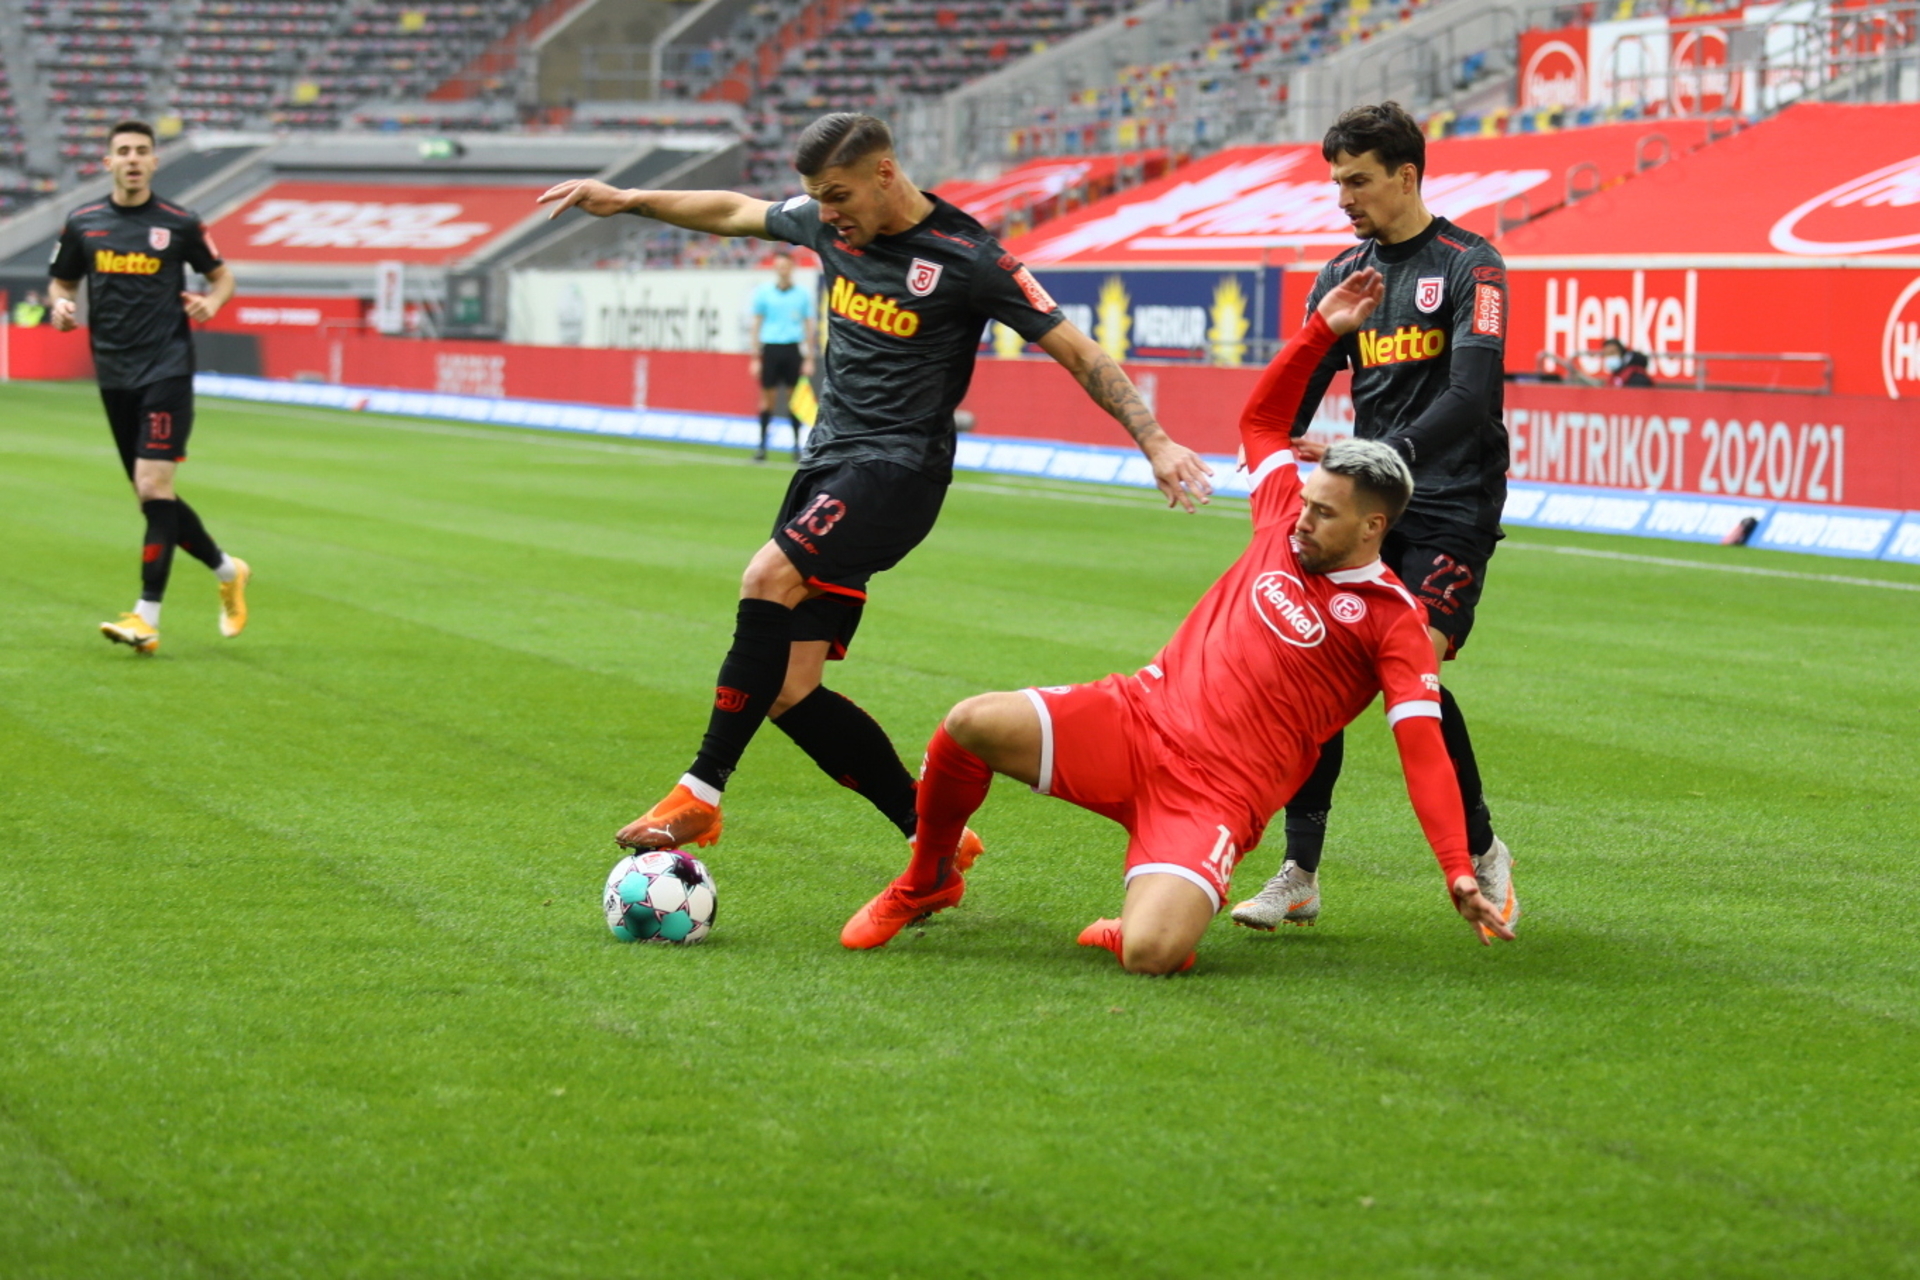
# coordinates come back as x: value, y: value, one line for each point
x: 1194, y: 753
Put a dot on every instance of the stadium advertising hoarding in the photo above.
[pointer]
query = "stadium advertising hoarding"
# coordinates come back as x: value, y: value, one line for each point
x: 341, y: 222
x: 1221, y: 317
x: 1821, y: 258
x: 1248, y: 206
x: 676, y: 310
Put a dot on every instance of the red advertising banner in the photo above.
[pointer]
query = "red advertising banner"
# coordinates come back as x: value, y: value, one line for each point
x: 1553, y: 68
x: 369, y: 222
x: 1866, y: 321
x: 1698, y: 80
x: 1817, y: 180
x: 1831, y: 450
x: 1277, y: 204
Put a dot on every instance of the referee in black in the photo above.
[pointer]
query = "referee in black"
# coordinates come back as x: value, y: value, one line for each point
x: 133, y: 249
x: 911, y: 281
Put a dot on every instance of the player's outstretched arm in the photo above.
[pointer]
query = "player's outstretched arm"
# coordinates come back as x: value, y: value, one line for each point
x: 1266, y: 424
x: 720, y: 213
x: 1434, y: 789
x: 1180, y: 473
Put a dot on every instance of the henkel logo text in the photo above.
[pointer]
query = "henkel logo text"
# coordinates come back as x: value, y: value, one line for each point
x: 1281, y: 601
x: 871, y: 310
x: 1578, y: 321
x: 1900, y: 344
x: 1698, y: 77
x: 1871, y: 214
x: 354, y: 224
x: 1555, y: 76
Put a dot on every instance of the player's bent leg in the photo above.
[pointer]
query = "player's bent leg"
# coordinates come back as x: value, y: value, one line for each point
x: 1159, y: 927
x: 1004, y: 730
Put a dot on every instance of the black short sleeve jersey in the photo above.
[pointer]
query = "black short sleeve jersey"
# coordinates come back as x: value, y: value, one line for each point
x: 135, y: 259
x: 1446, y: 290
x: 904, y: 318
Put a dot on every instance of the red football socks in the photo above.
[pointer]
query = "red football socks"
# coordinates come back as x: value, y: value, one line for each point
x: 953, y: 784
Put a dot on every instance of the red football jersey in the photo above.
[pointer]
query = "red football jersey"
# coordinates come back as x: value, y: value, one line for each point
x: 1273, y: 659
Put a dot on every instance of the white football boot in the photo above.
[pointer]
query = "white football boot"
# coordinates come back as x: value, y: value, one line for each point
x: 1494, y: 870
x: 1292, y: 897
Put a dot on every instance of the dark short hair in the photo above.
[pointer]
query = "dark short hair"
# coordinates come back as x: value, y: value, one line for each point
x: 1386, y: 130
x: 841, y: 138
x: 1376, y: 470
x: 131, y: 126
x: 1610, y: 339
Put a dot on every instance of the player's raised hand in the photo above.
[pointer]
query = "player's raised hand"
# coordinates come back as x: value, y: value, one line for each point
x: 199, y: 306
x: 1181, y: 475
x: 1348, y: 304
x: 66, y: 316
x: 1475, y: 908
x: 589, y: 194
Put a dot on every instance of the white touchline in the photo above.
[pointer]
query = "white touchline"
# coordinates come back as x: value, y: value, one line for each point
x: 1755, y: 570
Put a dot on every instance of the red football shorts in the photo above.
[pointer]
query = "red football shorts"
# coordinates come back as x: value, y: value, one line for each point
x: 1099, y: 750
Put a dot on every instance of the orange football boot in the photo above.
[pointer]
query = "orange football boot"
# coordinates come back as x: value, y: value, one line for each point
x: 893, y: 909
x: 1106, y: 933
x: 676, y: 822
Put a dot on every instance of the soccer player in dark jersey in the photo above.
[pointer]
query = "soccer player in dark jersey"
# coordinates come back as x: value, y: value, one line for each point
x: 1427, y: 374
x: 911, y: 283
x: 133, y: 249
x: 1194, y: 752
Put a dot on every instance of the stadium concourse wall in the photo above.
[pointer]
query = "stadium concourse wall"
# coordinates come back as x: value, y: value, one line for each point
x: 1829, y: 475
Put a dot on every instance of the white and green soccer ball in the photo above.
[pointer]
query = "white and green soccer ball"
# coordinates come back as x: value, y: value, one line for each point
x: 662, y: 895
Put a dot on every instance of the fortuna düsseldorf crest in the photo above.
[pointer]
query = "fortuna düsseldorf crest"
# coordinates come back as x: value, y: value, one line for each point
x: 159, y: 237
x: 1426, y: 294
x: 922, y: 276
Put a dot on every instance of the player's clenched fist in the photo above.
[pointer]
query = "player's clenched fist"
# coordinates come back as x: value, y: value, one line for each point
x: 65, y: 315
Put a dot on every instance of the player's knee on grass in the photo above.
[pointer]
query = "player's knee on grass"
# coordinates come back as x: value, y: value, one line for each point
x: 1164, y: 919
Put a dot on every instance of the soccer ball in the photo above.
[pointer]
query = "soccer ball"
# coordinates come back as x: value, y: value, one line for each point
x: 660, y: 896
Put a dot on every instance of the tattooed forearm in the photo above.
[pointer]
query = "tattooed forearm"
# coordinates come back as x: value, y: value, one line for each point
x: 642, y: 209
x: 1112, y: 391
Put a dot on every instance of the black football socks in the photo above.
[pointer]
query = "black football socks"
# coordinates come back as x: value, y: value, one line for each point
x: 193, y: 537
x: 854, y: 751
x: 156, y: 553
x: 1453, y: 727
x: 750, y: 680
x: 1308, y: 810
x: 766, y: 422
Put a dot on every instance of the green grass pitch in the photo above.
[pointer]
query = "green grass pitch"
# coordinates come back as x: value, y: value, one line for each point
x: 303, y: 973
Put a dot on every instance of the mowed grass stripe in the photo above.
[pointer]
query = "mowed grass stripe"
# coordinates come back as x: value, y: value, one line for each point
x: 1677, y: 1076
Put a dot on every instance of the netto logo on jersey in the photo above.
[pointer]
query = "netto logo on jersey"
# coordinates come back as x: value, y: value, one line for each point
x: 107, y: 262
x: 1281, y: 601
x: 873, y: 311
x: 1401, y: 345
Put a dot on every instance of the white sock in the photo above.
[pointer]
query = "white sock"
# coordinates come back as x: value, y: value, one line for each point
x: 228, y: 570
x: 702, y: 791
x: 149, y: 611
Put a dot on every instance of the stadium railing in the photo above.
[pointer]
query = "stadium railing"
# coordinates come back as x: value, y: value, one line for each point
x: 1791, y: 372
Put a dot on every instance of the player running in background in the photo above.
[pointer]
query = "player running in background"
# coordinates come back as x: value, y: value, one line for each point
x: 782, y: 341
x: 134, y: 248
x: 1427, y: 381
x: 912, y: 281
x: 1194, y: 753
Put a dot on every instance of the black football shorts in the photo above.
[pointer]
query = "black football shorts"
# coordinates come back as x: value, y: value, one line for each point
x: 842, y: 523
x: 780, y: 364
x: 1445, y: 574
x: 152, y: 422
